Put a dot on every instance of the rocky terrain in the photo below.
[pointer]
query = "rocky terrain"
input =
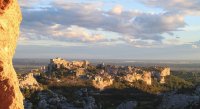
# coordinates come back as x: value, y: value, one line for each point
x: 48, y: 99
x: 174, y: 100
x: 51, y: 100
x: 65, y: 85
x: 10, y: 19
x: 178, y: 101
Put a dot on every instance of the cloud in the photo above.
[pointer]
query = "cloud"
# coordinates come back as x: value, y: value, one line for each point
x: 117, y: 9
x: 62, y: 33
x: 76, y: 20
x: 74, y: 33
x: 182, y: 6
x: 195, y: 44
x: 152, y: 26
x: 140, y: 43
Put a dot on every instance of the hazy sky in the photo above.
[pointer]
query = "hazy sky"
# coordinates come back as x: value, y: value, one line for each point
x: 110, y: 29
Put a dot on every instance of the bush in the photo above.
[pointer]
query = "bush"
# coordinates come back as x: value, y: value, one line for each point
x: 174, y: 82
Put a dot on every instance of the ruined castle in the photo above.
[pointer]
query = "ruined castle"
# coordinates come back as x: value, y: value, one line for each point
x: 59, y: 63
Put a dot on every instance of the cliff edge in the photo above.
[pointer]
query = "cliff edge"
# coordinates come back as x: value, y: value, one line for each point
x: 10, y: 19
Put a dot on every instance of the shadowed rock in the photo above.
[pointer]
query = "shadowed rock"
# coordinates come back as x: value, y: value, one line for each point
x: 10, y: 19
x: 4, y: 5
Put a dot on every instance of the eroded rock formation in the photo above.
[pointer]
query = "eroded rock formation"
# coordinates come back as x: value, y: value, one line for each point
x: 28, y: 81
x: 102, y: 81
x: 144, y: 76
x: 10, y: 18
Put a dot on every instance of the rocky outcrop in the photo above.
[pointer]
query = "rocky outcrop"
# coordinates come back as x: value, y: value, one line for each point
x: 28, y: 81
x: 51, y: 100
x: 85, y: 97
x: 144, y: 76
x: 127, y: 105
x: 163, y: 73
x: 10, y: 18
x: 178, y: 101
x: 102, y: 81
x: 160, y: 73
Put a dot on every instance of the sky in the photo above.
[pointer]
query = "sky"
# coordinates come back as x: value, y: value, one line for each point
x: 110, y: 29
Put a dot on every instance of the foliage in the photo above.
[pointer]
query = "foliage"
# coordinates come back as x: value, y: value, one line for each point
x: 193, y: 77
x: 27, y: 93
x: 174, y: 82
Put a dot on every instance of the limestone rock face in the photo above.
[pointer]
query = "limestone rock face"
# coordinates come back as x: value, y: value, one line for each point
x: 145, y: 76
x: 165, y: 71
x: 10, y: 19
x: 100, y: 82
x: 28, y: 81
x: 50, y: 100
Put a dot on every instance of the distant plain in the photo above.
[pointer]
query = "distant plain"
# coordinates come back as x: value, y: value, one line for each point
x: 25, y: 65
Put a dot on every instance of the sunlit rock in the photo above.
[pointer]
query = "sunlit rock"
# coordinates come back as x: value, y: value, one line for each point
x: 27, y: 81
x: 10, y: 19
x: 102, y: 81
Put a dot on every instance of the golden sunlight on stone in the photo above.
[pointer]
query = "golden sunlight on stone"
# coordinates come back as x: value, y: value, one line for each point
x: 10, y: 19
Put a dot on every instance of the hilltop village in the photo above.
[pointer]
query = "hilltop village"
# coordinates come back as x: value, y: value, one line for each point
x: 103, y: 75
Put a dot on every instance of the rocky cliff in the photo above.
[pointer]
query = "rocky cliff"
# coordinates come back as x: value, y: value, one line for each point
x: 10, y: 18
